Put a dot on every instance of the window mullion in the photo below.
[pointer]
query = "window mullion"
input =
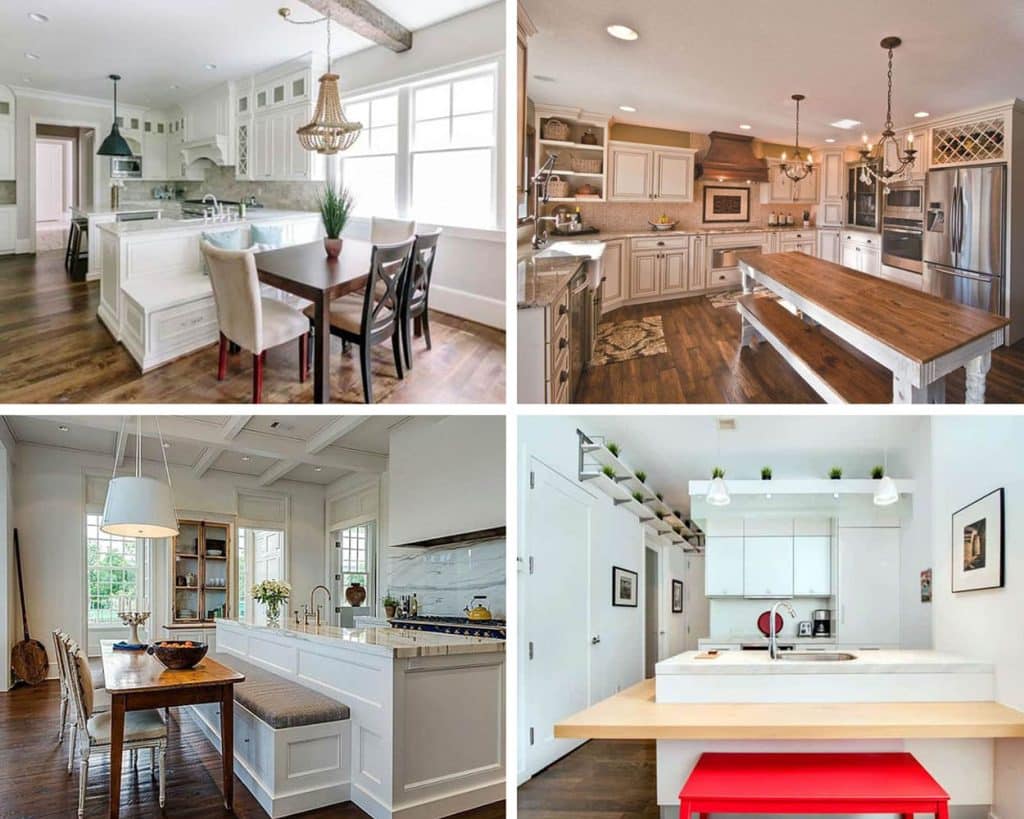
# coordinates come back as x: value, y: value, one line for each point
x: 403, y: 158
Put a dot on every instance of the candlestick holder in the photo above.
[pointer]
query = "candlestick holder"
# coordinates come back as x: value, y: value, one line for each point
x: 134, y: 619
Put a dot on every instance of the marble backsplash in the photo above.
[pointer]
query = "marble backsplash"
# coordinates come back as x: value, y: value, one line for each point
x: 7, y: 196
x: 445, y: 578
x: 221, y: 182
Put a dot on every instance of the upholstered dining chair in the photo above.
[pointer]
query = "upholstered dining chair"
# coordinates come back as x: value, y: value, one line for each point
x: 247, y: 318
x: 391, y: 231
x: 142, y: 729
x: 416, y: 293
x: 371, y: 317
x: 62, y: 642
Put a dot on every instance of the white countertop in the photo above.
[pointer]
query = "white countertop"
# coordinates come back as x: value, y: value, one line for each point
x: 167, y: 205
x: 394, y: 642
x: 199, y: 225
x: 866, y: 662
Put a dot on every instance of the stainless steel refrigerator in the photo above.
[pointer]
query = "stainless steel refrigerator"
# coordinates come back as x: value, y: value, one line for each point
x: 965, y: 236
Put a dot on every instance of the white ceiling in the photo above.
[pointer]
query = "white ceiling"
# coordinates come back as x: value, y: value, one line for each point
x: 309, y: 449
x: 155, y: 45
x: 711, y: 66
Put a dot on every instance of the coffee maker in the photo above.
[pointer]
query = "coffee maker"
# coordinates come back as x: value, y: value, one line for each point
x: 822, y: 619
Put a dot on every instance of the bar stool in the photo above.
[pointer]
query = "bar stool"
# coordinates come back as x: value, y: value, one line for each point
x: 75, y: 255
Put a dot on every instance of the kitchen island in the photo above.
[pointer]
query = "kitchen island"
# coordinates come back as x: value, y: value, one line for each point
x: 97, y: 215
x: 427, y: 710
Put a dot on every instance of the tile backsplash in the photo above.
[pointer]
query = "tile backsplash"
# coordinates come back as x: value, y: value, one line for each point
x: 7, y: 196
x: 445, y: 578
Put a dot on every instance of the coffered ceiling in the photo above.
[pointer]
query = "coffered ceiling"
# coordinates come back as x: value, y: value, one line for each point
x: 712, y: 66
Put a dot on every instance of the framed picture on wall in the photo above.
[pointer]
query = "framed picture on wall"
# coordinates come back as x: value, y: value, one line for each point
x: 677, y: 596
x: 624, y: 587
x: 726, y: 204
x: 977, y: 543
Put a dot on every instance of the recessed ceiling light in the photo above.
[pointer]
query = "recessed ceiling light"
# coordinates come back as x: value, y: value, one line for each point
x: 318, y: 469
x: 830, y: 140
x: 543, y: 78
x: 30, y: 56
x: 922, y: 114
x: 63, y: 427
x: 744, y: 126
x: 167, y: 444
x: 175, y: 87
x: 246, y: 458
x: 210, y: 66
x: 36, y: 17
x: 628, y: 109
x: 845, y: 124
x: 621, y: 32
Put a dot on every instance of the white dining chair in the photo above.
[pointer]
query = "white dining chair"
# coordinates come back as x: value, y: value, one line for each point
x: 63, y: 642
x: 391, y: 231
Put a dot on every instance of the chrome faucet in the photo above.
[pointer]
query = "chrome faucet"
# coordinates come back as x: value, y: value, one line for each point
x: 216, y: 211
x: 318, y: 608
x: 540, y: 195
x: 773, y: 637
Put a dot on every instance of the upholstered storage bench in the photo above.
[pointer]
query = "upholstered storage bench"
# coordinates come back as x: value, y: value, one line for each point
x: 292, y: 744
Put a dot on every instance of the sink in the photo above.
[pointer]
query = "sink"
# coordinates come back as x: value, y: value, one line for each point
x: 591, y: 251
x: 817, y: 656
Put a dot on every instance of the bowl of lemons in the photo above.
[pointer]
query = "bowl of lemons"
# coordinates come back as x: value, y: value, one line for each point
x: 662, y: 223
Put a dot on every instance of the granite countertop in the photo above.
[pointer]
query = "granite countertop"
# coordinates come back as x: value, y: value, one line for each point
x: 170, y: 224
x: 610, y: 235
x: 866, y: 662
x: 541, y: 281
x: 393, y: 642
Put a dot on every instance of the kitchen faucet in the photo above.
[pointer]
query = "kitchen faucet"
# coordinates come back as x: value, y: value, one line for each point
x: 313, y: 592
x: 216, y: 210
x: 540, y: 183
x: 773, y: 637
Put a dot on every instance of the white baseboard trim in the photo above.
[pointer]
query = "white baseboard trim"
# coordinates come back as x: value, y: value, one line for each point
x: 24, y: 246
x: 481, y: 309
x: 473, y: 797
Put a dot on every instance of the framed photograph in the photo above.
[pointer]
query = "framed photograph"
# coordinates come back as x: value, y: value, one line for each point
x: 977, y: 542
x: 726, y: 204
x: 926, y: 586
x: 677, y: 596
x: 624, y: 587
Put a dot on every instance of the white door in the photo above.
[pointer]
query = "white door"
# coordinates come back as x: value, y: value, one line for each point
x: 768, y: 566
x: 851, y: 256
x: 869, y: 592
x: 812, y: 566
x: 652, y: 611
x: 695, y: 602
x: 555, y: 661
x: 673, y: 176
x: 631, y: 174
x: 50, y: 181
x: 723, y: 560
x: 828, y: 246
x: 267, y: 564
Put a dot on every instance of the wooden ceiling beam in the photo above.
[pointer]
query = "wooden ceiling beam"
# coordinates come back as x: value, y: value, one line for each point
x: 366, y: 20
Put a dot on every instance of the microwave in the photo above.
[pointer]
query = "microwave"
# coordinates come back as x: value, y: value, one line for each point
x: 905, y: 201
x: 126, y: 167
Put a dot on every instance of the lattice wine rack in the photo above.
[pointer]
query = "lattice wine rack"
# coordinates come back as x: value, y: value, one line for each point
x: 978, y: 141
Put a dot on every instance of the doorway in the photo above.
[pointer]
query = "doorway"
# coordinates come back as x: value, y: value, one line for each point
x: 652, y: 622
x: 57, y: 184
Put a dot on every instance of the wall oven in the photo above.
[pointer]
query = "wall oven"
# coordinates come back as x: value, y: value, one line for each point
x: 126, y: 167
x: 902, y: 244
x: 905, y: 201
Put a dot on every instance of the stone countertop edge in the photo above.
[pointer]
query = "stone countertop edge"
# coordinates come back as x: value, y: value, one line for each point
x: 544, y: 279
x: 866, y: 662
x: 170, y: 224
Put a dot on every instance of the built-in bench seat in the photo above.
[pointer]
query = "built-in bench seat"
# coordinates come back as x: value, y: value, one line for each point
x: 292, y: 743
x: 838, y: 373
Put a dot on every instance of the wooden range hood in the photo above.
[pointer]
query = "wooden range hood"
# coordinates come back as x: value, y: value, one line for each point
x: 730, y: 158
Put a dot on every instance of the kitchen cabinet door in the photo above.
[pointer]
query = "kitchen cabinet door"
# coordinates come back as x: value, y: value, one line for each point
x: 812, y: 566
x: 8, y: 229
x: 643, y: 275
x: 780, y: 185
x: 631, y: 174
x: 851, y: 256
x: 154, y: 156
x: 281, y: 158
x: 673, y: 176
x: 7, y: 148
x: 919, y: 170
x: 612, y: 271
x: 674, y: 269
x: 262, y: 148
x: 723, y: 566
x: 768, y: 566
x: 829, y: 248
x: 833, y: 176
x: 299, y: 157
x: 698, y: 271
x: 869, y: 592
x: 871, y: 260
x: 806, y: 190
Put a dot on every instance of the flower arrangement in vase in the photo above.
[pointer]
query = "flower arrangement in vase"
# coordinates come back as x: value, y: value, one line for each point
x: 335, y: 210
x: 272, y: 594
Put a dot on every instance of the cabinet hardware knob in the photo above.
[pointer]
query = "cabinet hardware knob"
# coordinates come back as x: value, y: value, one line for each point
x: 563, y: 343
x: 661, y: 244
x: 562, y: 309
x: 595, y: 640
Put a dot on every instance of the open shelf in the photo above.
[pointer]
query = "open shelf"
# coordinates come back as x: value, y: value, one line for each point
x: 802, y: 486
x: 200, y: 598
x: 570, y: 146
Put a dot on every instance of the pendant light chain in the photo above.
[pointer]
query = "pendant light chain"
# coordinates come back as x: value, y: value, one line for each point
x: 801, y: 167
x: 875, y: 155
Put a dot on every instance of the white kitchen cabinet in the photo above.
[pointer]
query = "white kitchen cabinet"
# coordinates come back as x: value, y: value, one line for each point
x: 829, y: 246
x: 641, y: 173
x: 801, y: 241
x: 831, y: 186
x: 767, y: 565
x: 698, y: 264
x: 154, y: 155
x: 724, y: 527
x: 812, y: 526
x: 275, y: 151
x: 862, y: 251
x: 643, y: 274
x: 723, y: 566
x: 630, y: 174
x: 812, y: 566
x: 8, y: 228
x: 659, y: 267
x: 243, y: 146
x: 673, y: 176
x: 263, y: 148
x: 6, y: 133
x: 613, y: 270
x: 768, y: 527
x: 869, y: 592
x: 674, y: 272
x: 780, y: 189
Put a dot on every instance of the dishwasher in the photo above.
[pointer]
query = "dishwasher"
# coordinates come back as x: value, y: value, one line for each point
x: 580, y: 313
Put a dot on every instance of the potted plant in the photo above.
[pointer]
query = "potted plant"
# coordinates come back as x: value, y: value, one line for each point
x: 766, y: 473
x: 659, y: 496
x: 390, y: 605
x: 272, y: 594
x: 835, y: 473
x: 638, y: 497
x: 641, y: 476
x: 613, y: 448
x: 807, y: 218
x: 335, y: 209
x: 608, y: 471
x: 878, y: 473
x: 717, y: 472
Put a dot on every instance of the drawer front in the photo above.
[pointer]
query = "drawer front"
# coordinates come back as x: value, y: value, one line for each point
x: 558, y: 376
x: 668, y: 243
x: 187, y: 319
x: 724, y: 278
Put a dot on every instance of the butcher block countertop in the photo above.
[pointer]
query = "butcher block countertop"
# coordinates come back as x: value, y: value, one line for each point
x: 634, y: 714
x: 918, y: 325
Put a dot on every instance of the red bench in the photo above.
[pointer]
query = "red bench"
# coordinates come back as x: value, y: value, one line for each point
x: 811, y: 783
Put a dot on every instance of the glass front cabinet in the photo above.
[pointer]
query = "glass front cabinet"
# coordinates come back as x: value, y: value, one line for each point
x: 201, y: 573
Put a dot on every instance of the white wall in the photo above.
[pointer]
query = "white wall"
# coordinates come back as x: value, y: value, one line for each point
x: 970, y: 458
x: 8, y: 590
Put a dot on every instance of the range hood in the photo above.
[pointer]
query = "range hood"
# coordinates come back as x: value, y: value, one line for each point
x: 214, y: 148
x: 730, y: 158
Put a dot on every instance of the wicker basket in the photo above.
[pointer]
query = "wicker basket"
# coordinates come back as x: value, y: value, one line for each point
x: 556, y: 129
x: 586, y: 165
x: 558, y: 188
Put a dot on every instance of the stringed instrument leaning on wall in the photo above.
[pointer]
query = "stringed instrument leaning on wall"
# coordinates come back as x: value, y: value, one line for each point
x: 28, y: 657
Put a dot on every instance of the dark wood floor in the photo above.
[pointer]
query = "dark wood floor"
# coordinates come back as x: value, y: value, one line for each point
x: 54, y: 349
x: 34, y: 781
x: 705, y: 365
x: 602, y: 779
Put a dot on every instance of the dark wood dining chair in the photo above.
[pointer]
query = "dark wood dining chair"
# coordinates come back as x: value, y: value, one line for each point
x: 373, y: 316
x: 416, y: 295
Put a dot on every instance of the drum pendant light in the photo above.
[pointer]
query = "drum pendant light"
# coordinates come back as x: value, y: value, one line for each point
x: 137, y: 506
x: 115, y: 144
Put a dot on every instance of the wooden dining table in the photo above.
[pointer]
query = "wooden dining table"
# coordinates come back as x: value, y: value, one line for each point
x: 136, y: 681
x: 305, y: 271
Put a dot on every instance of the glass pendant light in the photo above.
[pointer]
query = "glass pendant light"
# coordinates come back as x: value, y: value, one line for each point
x: 137, y: 506
x: 718, y: 492
x: 886, y: 493
x: 800, y: 168
x: 115, y: 144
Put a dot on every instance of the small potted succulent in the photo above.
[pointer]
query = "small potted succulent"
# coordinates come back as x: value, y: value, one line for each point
x: 390, y: 605
x: 717, y: 472
x: 608, y: 472
x: 641, y: 476
x: 335, y: 209
x: 878, y: 472
x: 272, y: 594
x: 613, y: 448
x: 638, y: 497
x: 766, y: 473
x: 835, y: 473
x: 659, y: 496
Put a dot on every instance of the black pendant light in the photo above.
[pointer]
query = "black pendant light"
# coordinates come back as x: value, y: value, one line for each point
x: 115, y: 144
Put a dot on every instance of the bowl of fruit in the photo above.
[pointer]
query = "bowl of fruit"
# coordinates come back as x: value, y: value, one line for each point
x: 663, y: 222
x: 178, y: 654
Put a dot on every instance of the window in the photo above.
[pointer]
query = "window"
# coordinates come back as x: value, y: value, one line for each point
x: 429, y: 151
x: 115, y: 567
x: 355, y: 555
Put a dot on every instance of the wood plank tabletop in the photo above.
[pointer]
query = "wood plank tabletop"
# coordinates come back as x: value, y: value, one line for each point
x: 634, y: 714
x: 128, y: 672
x: 918, y: 325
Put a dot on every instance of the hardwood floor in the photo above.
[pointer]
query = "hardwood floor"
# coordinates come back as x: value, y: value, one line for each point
x: 34, y: 781
x: 53, y: 349
x: 705, y: 365
x: 602, y: 779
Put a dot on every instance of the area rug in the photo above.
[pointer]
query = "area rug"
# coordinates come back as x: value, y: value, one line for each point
x: 625, y: 340
x: 728, y: 298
